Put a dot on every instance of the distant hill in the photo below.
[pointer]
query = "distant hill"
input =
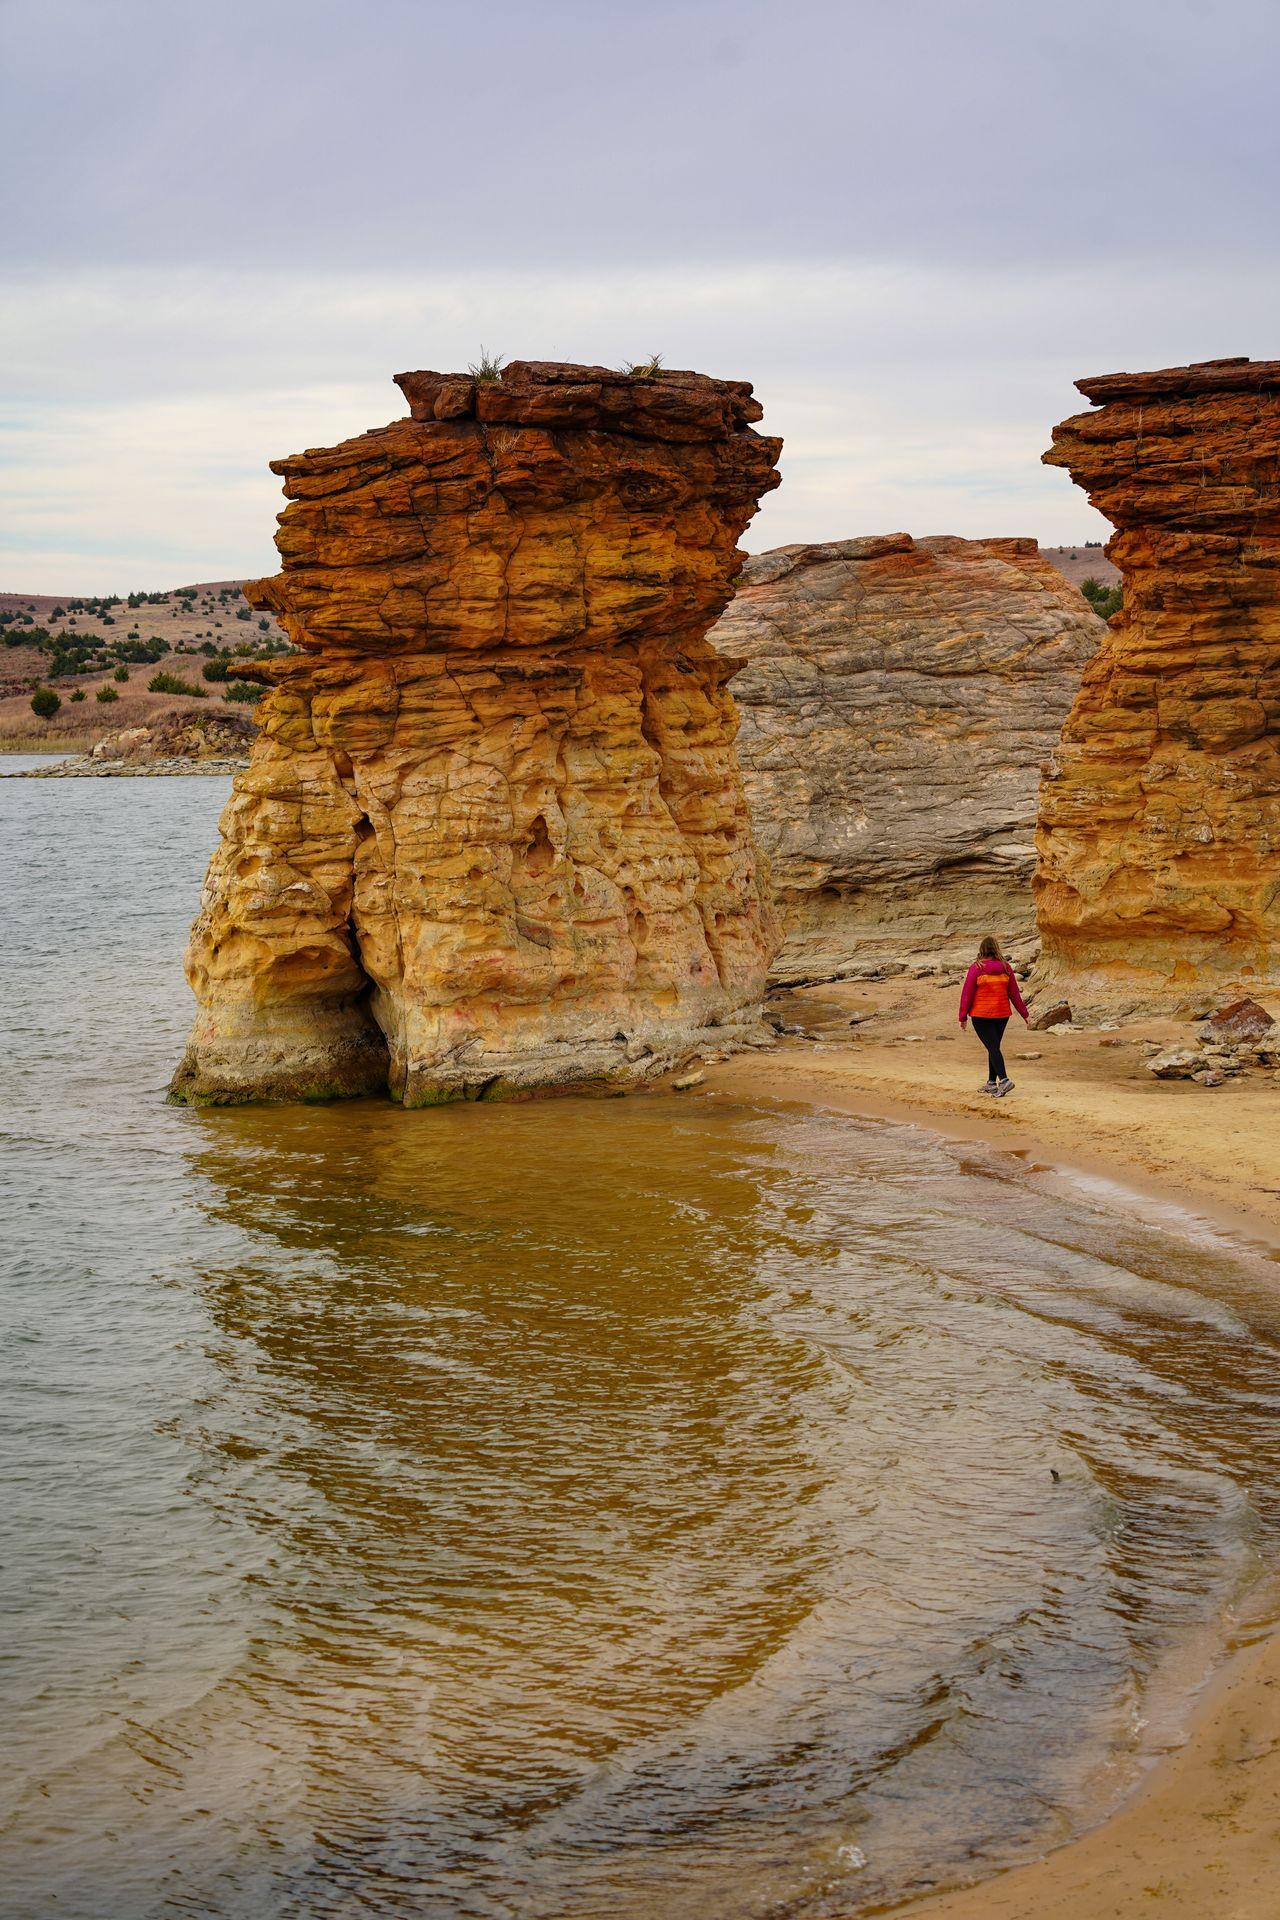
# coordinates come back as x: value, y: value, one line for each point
x: 85, y: 644
x: 1082, y: 563
x: 213, y: 610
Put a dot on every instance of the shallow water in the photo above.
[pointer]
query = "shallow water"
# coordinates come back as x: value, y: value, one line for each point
x: 628, y: 1508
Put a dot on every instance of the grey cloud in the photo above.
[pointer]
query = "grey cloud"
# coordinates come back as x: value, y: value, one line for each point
x: 321, y: 133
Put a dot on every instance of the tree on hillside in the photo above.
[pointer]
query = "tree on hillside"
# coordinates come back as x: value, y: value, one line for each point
x: 45, y: 703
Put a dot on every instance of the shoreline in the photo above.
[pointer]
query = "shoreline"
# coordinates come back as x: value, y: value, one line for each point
x: 892, y: 1050
x: 85, y: 767
x: 1195, y: 1838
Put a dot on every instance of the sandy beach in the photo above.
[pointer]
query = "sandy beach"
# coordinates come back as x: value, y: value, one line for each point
x: 1200, y: 1838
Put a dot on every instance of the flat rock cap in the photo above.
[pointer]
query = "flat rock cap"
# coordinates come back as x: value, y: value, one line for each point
x: 1240, y: 375
x: 647, y: 404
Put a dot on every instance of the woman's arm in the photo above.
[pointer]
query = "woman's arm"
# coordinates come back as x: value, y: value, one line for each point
x: 1017, y: 998
x: 967, y: 992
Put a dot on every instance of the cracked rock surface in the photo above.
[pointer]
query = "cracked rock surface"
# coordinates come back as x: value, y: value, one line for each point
x: 898, y: 701
x: 1159, y: 877
x: 493, y: 836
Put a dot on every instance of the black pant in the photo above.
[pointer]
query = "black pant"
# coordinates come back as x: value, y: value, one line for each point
x: 991, y: 1033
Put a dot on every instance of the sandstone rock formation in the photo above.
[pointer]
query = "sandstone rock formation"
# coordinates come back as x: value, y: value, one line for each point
x: 176, y: 736
x: 493, y: 835
x: 898, y: 701
x: 1159, y: 877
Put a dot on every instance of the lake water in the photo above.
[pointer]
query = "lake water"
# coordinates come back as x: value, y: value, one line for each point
x: 636, y: 1508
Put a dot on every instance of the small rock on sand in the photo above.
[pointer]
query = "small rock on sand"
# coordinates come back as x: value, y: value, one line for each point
x: 1242, y: 1020
x: 1178, y: 1063
x: 1055, y: 1016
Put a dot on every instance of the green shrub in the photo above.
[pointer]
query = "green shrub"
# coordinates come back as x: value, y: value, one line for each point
x: 170, y: 683
x: 216, y: 670
x: 487, y: 367
x: 121, y: 674
x: 245, y: 692
x: 77, y: 695
x: 1103, y: 599
x: 106, y: 693
x: 45, y: 702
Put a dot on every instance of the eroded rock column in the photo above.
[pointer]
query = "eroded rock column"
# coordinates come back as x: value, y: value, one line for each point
x: 493, y: 835
x: 1159, y: 831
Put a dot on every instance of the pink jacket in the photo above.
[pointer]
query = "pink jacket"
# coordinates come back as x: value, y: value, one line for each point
x: 970, y: 986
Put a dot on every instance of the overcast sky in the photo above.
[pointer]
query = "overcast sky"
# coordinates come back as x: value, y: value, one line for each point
x: 912, y: 223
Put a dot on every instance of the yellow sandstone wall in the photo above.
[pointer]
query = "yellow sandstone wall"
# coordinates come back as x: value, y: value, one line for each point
x: 1159, y: 830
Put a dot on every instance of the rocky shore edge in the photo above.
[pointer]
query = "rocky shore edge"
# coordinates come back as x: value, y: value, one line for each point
x: 84, y: 767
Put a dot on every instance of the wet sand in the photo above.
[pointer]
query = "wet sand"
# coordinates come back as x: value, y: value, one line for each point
x: 1086, y: 1101
x: 1200, y: 1840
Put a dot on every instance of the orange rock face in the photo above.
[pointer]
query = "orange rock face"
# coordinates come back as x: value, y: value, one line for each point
x: 1159, y: 831
x: 493, y: 835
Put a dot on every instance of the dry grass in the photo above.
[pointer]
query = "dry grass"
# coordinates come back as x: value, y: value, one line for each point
x: 1079, y: 563
x: 73, y: 729
x: 42, y: 743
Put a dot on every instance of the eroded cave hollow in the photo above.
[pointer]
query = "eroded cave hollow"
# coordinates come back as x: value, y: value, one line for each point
x: 492, y: 836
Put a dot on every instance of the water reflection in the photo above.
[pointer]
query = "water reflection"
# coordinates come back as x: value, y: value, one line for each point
x: 643, y: 1504
x: 545, y: 1477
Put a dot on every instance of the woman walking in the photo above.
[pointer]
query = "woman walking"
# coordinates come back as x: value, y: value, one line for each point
x: 989, y: 990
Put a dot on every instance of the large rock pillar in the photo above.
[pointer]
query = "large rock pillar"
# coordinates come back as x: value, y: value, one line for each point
x: 1159, y: 831
x: 493, y: 835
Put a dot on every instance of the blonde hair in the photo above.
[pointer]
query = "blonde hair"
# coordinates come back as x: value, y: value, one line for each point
x: 989, y: 948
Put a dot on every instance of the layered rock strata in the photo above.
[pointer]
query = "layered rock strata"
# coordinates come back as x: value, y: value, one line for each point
x: 493, y: 835
x: 1159, y: 838
x: 898, y: 701
x: 177, y: 736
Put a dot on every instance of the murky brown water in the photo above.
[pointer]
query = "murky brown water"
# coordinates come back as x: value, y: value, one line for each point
x: 635, y: 1509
